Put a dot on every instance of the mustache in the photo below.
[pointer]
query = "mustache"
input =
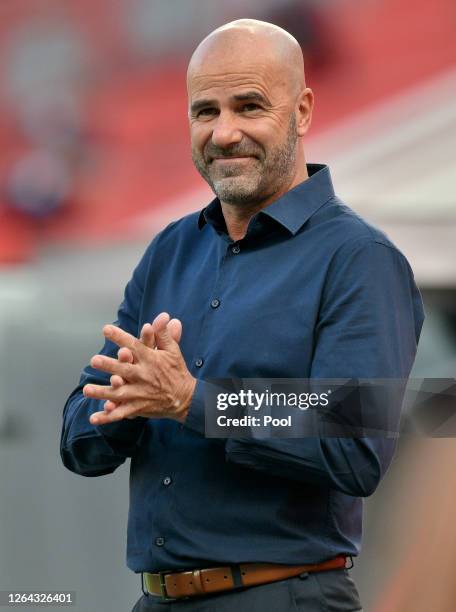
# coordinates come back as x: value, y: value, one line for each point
x: 211, y: 152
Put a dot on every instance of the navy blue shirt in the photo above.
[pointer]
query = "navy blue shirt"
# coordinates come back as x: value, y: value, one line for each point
x: 312, y: 290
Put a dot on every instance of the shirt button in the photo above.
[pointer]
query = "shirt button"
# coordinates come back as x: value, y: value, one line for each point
x: 167, y: 480
x: 215, y: 303
x: 160, y: 541
x: 199, y: 362
x: 236, y: 249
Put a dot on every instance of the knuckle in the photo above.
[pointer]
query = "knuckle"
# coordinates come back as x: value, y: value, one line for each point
x: 123, y: 412
x: 120, y: 393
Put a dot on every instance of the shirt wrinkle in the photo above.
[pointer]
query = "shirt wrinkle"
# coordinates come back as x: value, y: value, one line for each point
x: 272, y: 305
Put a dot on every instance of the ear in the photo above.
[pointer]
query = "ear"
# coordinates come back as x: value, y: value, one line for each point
x: 304, y: 108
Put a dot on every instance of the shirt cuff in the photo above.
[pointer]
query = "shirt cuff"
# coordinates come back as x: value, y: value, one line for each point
x: 127, y: 430
x: 196, y: 417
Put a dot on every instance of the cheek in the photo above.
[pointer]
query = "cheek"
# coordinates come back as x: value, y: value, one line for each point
x: 273, y: 135
x: 264, y: 135
x: 199, y: 136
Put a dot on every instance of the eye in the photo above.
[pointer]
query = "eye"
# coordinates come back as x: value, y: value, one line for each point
x: 206, y: 112
x: 251, y: 106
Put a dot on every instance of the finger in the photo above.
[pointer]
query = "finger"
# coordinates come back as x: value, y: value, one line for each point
x: 109, y: 406
x: 116, y: 381
x: 108, y: 364
x: 162, y: 334
x: 123, y: 339
x: 102, y: 418
x: 162, y: 319
x: 125, y: 355
x: 175, y: 329
x: 147, y: 335
x: 102, y: 392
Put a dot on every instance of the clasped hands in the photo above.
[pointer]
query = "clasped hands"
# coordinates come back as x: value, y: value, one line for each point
x: 150, y: 377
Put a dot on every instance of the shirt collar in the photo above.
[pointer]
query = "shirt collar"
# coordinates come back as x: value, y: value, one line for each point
x: 292, y: 209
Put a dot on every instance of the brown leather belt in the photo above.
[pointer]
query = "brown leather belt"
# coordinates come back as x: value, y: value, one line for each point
x: 174, y: 585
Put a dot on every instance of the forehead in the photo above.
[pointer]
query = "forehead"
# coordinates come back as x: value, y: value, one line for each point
x: 226, y: 84
x: 226, y: 81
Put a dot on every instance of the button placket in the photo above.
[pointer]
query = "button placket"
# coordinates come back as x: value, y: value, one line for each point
x: 215, y: 302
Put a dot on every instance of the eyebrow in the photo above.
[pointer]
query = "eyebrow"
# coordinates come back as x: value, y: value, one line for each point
x: 248, y: 95
x: 251, y: 95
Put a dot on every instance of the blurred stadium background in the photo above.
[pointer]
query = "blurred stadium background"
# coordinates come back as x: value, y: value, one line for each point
x: 95, y: 159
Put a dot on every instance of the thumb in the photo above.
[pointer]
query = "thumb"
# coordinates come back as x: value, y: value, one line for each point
x: 163, y: 337
x: 175, y: 329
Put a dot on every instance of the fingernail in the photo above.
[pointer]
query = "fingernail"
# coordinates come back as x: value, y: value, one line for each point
x: 97, y: 361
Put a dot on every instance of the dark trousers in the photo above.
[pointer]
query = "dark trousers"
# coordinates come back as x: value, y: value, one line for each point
x: 329, y: 591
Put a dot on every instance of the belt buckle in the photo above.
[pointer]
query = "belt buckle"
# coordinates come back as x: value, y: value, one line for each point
x: 162, y: 584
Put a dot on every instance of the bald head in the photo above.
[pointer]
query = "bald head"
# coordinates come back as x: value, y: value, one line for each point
x: 253, y: 42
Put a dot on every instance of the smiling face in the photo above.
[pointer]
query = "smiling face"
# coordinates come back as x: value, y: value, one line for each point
x: 241, y: 147
x: 243, y: 111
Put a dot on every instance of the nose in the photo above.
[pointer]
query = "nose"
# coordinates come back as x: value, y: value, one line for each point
x: 226, y: 131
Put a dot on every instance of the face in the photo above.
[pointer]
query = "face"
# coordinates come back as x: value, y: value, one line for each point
x: 243, y: 132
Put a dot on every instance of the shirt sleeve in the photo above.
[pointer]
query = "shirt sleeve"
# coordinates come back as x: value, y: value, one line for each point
x: 370, y: 321
x: 95, y: 450
x: 196, y: 416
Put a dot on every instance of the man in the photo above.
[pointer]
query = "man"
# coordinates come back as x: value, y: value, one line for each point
x: 275, y: 278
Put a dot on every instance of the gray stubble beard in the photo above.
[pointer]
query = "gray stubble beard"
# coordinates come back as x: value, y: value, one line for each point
x: 277, y: 170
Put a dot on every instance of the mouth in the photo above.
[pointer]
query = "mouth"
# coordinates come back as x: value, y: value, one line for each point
x: 227, y: 160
